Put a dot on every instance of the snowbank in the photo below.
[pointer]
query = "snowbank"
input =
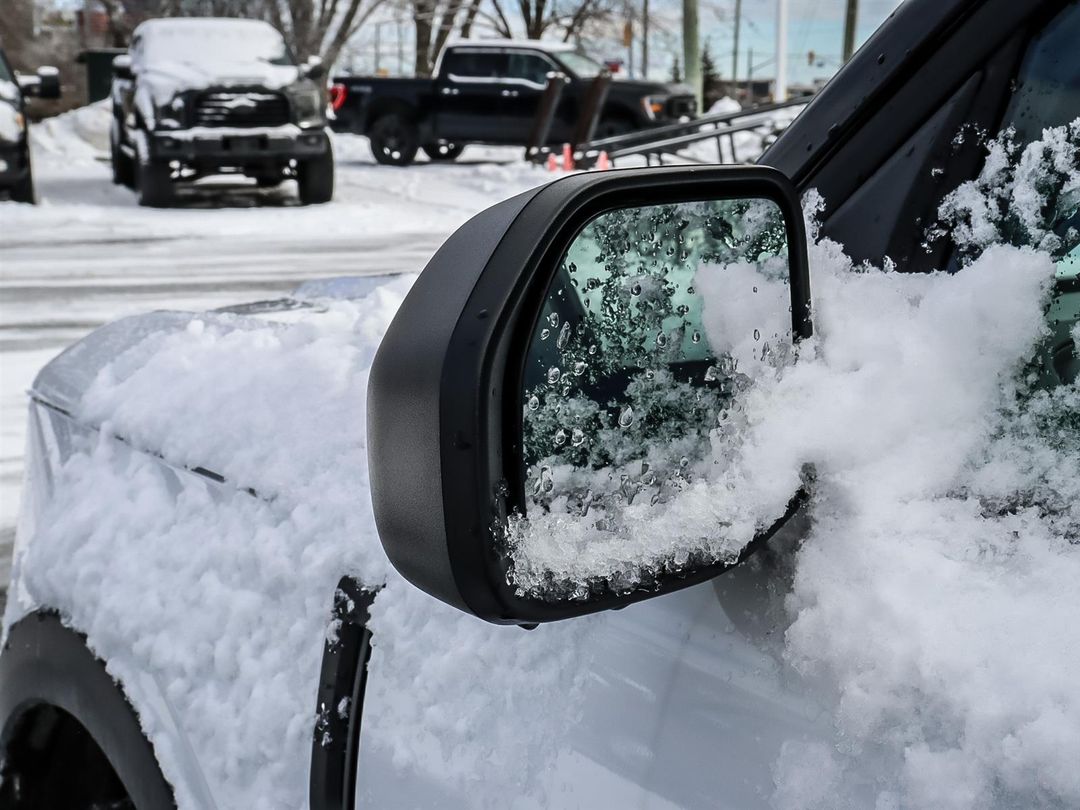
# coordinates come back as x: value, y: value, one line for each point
x: 79, y: 134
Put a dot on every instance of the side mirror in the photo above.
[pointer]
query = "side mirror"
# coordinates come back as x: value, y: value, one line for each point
x: 44, y: 84
x: 314, y: 68
x: 554, y: 415
x: 121, y: 66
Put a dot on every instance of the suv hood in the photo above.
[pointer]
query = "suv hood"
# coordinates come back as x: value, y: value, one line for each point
x: 166, y: 79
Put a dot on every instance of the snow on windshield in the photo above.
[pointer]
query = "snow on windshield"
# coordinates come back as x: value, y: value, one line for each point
x: 215, y: 40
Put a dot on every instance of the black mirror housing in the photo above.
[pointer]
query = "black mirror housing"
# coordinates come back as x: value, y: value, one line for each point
x: 121, y: 66
x: 444, y: 407
x: 314, y: 68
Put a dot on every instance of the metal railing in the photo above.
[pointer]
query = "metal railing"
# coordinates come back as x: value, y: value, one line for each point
x: 666, y: 140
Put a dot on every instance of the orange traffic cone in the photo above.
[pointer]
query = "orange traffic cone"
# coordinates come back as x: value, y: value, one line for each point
x: 552, y: 163
x: 567, y: 158
x: 603, y: 163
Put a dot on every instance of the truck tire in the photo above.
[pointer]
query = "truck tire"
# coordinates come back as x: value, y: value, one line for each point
x: 443, y: 152
x: 316, y: 179
x: 23, y: 190
x: 123, y: 167
x: 394, y: 140
x: 155, y: 184
x: 615, y: 124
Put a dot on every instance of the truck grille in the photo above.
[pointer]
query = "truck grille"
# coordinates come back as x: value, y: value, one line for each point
x: 241, y: 109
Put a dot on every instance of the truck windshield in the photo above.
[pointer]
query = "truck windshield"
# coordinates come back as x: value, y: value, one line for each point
x: 582, y: 66
x: 216, y: 41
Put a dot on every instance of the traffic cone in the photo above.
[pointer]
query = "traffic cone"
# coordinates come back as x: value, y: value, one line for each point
x: 552, y: 163
x: 567, y: 158
x: 603, y: 163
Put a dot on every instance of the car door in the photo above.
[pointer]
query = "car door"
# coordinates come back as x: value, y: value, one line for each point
x: 471, y: 103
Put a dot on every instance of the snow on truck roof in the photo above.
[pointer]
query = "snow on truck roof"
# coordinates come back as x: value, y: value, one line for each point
x: 206, y: 27
x: 533, y: 44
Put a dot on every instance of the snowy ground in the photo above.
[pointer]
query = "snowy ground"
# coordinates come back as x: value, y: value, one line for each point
x: 88, y: 254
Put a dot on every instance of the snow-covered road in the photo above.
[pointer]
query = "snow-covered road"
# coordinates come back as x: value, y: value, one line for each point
x: 88, y: 255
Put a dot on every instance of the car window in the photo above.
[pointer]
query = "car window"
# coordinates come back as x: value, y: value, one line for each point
x: 528, y: 67
x: 1048, y: 85
x: 5, y: 72
x: 474, y: 65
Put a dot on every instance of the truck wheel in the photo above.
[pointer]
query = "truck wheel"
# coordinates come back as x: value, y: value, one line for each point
x: 23, y: 190
x: 394, y: 140
x: 443, y: 151
x: 316, y: 179
x: 123, y: 167
x: 155, y: 184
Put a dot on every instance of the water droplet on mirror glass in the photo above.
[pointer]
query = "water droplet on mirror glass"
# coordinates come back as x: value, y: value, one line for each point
x: 553, y: 374
x: 696, y: 337
x: 690, y: 290
x: 626, y: 418
x: 564, y: 336
x: 592, y: 349
x: 727, y: 365
x: 553, y: 319
x: 755, y: 289
x: 649, y: 374
x: 682, y: 309
x: 577, y: 437
x: 661, y: 339
x: 560, y: 437
x: 636, y: 289
x: 544, y: 334
x: 684, y: 462
x: 572, y: 267
x: 757, y: 335
x: 579, y: 368
x: 711, y: 374
x: 534, y: 402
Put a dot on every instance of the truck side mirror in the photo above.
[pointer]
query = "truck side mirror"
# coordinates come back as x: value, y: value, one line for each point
x: 314, y: 68
x: 574, y: 363
x: 44, y: 84
x: 121, y: 67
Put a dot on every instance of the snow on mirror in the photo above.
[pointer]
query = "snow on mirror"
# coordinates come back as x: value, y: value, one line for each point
x: 658, y: 325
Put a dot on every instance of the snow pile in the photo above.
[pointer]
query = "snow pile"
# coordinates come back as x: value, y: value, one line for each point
x: 79, y: 134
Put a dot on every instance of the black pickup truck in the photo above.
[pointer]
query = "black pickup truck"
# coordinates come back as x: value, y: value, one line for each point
x: 489, y: 92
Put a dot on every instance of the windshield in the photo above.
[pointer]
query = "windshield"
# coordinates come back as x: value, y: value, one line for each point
x: 582, y: 66
x: 215, y: 41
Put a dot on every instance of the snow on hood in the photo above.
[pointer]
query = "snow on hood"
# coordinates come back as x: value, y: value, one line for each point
x: 166, y: 79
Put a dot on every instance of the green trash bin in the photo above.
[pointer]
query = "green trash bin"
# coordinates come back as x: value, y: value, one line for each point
x: 98, y: 63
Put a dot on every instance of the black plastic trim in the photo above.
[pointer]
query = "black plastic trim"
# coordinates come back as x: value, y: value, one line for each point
x: 46, y: 663
x: 335, y: 748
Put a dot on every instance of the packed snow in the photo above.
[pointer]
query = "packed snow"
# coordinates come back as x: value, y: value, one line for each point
x: 931, y: 598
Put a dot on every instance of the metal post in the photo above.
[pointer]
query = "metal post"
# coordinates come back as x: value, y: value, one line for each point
x: 735, y: 49
x: 691, y: 50
x: 850, y: 21
x: 378, y: 28
x: 780, y: 92
x: 645, y: 39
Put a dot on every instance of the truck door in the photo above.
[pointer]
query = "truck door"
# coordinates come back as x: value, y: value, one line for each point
x: 470, y: 108
x: 526, y: 77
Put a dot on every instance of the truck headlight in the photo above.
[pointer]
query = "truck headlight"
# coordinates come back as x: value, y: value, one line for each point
x: 307, y: 104
x: 171, y: 115
x: 654, y: 105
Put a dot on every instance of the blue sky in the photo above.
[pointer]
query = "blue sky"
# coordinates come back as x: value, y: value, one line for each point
x: 813, y: 25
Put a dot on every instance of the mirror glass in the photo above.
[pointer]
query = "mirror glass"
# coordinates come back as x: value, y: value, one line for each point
x: 658, y: 324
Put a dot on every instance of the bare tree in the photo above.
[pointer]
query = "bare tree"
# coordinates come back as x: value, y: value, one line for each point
x: 540, y: 17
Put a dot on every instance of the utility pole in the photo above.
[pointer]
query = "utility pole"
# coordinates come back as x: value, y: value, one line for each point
x: 691, y: 49
x: 735, y: 48
x: 780, y: 92
x: 645, y: 39
x: 850, y: 20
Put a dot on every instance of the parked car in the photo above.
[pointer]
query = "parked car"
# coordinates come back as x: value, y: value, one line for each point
x: 489, y: 92
x: 200, y: 612
x: 205, y: 96
x: 16, y: 172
